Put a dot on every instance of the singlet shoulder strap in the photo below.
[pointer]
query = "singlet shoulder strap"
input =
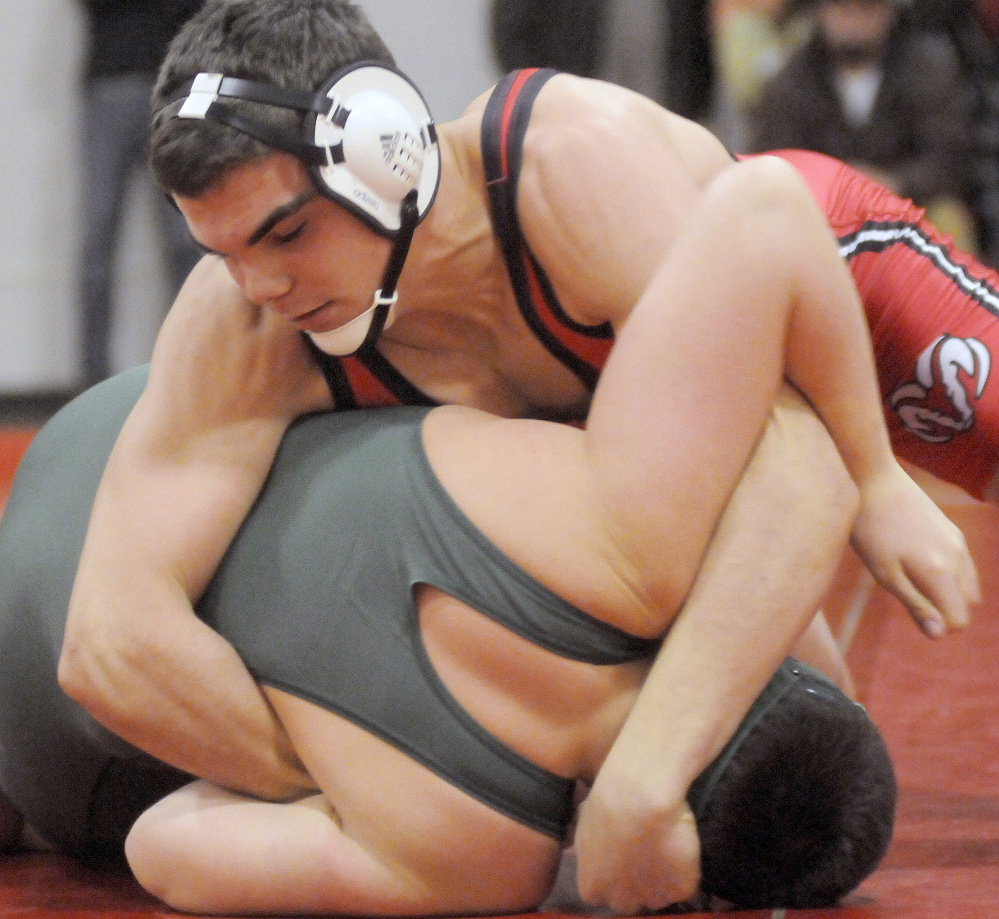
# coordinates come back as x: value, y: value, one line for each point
x: 581, y: 348
x: 366, y: 380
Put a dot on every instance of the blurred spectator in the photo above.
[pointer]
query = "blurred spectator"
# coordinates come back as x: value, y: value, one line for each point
x: 564, y: 34
x: 873, y: 89
x: 690, y: 71
x: 982, y: 30
x: 634, y: 47
x: 973, y: 25
x: 752, y: 40
x: 660, y: 48
x: 126, y: 41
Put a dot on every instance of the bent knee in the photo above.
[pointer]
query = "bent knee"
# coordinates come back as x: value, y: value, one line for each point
x: 764, y: 187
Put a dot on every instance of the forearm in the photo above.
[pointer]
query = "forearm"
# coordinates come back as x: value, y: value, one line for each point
x: 226, y: 380
x: 165, y: 682
x: 739, y: 621
x: 828, y: 352
x: 134, y: 653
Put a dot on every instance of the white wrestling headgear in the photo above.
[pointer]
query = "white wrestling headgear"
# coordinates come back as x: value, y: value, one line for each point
x: 370, y: 145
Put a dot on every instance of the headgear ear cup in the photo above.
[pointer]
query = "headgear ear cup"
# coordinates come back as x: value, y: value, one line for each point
x: 380, y: 144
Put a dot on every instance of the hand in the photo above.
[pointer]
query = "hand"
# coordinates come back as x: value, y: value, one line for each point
x: 915, y: 552
x: 636, y: 850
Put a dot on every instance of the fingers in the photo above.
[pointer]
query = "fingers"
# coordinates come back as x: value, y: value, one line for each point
x: 654, y: 869
x: 917, y: 553
x: 938, y: 597
x: 941, y: 600
x: 927, y: 617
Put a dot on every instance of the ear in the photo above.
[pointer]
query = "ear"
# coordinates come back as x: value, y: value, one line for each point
x: 380, y: 143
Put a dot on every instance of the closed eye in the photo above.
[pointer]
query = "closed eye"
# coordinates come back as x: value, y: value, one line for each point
x: 203, y: 249
x: 290, y: 236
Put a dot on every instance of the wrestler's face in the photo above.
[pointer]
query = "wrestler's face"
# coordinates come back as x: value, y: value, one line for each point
x: 288, y: 247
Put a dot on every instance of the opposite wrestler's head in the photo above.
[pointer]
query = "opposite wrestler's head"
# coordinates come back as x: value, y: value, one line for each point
x: 799, y: 808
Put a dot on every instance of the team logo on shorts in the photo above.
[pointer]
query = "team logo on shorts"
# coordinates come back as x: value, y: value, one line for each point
x: 950, y: 375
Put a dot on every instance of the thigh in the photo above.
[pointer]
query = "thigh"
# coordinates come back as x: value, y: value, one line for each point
x: 445, y: 850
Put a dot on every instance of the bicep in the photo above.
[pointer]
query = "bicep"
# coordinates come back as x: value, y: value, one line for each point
x: 226, y: 380
x: 168, y: 506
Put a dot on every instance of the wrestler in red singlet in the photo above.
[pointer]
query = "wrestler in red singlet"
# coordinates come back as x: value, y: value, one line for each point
x: 933, y: 311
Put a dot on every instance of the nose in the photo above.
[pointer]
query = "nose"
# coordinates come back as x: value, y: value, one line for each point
x: 263, y: 285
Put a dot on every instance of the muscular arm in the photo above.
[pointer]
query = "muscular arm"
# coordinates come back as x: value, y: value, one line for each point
x: 786, y: 525
x: 605, y: 244
x: 676, y: 431
x: 712, y: 654
x: 226, y: 379
x: 636, y: 839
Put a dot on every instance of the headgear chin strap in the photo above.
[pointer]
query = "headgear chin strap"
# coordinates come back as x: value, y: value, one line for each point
x: 362, y: 331
x: 370, y: 144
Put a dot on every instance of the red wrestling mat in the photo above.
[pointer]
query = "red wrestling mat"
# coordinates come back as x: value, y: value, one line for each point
x: 13, y: 443
x: 938, y: 707
x: 937, y: 704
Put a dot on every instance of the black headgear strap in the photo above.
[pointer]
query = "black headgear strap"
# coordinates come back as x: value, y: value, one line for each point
x: 266, y: 94
x: 385, y: 297
x: 313, y: 155
x: 780, y: 685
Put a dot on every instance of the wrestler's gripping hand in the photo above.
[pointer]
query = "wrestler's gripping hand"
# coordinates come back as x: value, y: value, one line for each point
x: 637, y: 849
x: 916, y: 552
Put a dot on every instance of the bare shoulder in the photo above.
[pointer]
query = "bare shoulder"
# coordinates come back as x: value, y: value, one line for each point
x: 608, y: 178
x: 219, y: 358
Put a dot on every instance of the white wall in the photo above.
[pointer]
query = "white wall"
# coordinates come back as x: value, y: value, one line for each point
x: 441, y: 44
x: 38, y: 66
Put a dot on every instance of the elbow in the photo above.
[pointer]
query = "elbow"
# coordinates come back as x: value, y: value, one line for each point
x: 79, y: 677
x: 87, y: 664
x: 75, y: 670
x: 77, y: 664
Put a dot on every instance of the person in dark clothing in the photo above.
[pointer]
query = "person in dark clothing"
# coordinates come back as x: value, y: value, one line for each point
x: 578, y: 38
x: 564, y: 34
x: 873, y: 90
x: 973, y: 27
x: 127, y: 40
